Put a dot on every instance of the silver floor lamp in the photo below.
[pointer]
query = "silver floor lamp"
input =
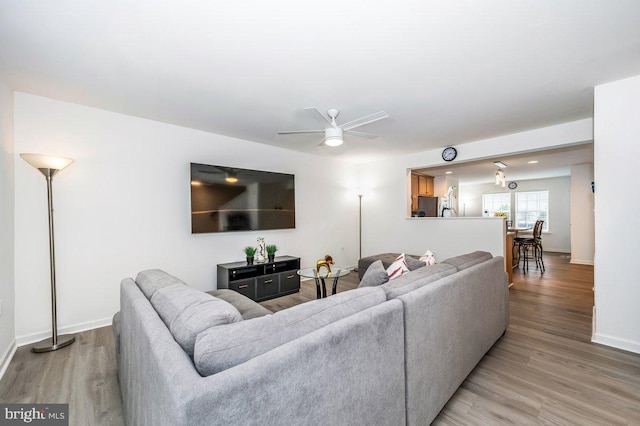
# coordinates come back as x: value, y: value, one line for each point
x: 49, y: 166
x: 360, y: 226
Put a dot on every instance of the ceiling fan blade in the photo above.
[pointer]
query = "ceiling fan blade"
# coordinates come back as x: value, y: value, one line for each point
x: 361, y: 134
x: 291, y: 132
x: 314, y: 111
x: 380, y: 115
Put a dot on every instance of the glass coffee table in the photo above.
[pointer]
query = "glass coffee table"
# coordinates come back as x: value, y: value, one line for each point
x: 321, y: 292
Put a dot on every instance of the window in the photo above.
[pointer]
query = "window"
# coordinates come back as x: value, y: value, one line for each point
x: 497, y: 203
x: 531, y: 206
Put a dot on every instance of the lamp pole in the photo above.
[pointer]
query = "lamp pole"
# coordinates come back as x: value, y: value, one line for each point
x: 49, y: 166
x: 360, y: 226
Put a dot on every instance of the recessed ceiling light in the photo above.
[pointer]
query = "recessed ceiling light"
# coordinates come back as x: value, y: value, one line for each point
x: 448, y: 173
x: 500, y: 164
x: 533, y: 162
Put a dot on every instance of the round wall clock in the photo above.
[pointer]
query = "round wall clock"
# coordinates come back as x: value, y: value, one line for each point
x: 512, y: 185
x: 449, y: 153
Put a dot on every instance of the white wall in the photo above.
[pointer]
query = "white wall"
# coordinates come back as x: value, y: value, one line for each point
x: 558, y: 238
x: 617, y: 227
x: 7, y: 327
x: 385, y: 205
x: 386, y: 227
x: 582, y: 218
x: 123, y: 206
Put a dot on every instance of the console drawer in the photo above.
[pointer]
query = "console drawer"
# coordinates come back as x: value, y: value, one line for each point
x: 246, y: 287
x: 289, y: 281
x: 267, y: 285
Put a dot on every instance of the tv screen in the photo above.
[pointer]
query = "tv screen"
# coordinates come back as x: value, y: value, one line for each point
x: 227, y: 199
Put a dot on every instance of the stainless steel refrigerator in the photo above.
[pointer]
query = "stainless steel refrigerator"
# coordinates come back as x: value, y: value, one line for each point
x: 428, y: 205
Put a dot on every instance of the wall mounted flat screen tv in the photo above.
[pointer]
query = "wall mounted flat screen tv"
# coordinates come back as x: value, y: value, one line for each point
x: 225, y: 199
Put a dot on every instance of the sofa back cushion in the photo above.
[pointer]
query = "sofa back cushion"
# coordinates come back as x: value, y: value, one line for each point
x: 220, y: 348
x: 467, y: 260
x: 187, y: 312
x: 152, y: 279
x: 417, y: 278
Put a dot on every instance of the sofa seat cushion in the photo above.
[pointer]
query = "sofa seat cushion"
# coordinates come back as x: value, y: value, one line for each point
x: 467, y: 260
x: 247, y: 307
x: 152, y: 279
x: 187, y: 312
x: 417, y: 278
x: 220, y: 348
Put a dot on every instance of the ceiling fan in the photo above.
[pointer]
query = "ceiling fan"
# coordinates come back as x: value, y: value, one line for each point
x: 333, y: 133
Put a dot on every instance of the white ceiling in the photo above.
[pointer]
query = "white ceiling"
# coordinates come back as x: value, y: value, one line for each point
x: 446, y: 71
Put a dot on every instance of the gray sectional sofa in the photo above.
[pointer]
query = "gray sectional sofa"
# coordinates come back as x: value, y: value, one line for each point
x: 386, y: 355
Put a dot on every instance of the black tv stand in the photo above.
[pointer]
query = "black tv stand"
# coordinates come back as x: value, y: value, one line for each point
x: 261, y: 281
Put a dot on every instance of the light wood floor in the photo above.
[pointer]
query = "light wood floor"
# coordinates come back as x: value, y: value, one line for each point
x: 544, y: 370
x: 83, y: 375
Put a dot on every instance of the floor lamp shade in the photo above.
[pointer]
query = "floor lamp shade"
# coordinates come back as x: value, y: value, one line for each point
x: 49, y: 166
x: 40, y: 161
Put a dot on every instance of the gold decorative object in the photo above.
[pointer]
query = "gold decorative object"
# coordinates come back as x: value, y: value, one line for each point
x: 324, y: 263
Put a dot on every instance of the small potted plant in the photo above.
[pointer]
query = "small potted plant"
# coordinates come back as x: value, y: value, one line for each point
x: 250, y: 252
x: 271, y: 252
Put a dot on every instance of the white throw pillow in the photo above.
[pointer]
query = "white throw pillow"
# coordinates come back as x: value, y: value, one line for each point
x: 429, y: 258
x: 397, y: 268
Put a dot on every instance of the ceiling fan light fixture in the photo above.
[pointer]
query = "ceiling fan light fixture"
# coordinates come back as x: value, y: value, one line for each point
x: 333, y: 141
x: 500, y: 178
x: 333, y: 136
x: 333, y: 133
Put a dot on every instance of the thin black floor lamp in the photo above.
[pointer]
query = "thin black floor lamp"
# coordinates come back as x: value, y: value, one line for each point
x: 49, y: 166
x: 360, y: 226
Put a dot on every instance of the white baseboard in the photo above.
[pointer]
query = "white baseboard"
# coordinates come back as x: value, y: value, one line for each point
x: 7, y: 356
x: 555, y: 250
x: 615, y: 342
x: 77, y: 328
x: 581, y: 262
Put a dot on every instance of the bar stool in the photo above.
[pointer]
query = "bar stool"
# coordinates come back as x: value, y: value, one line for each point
x: 529, y: 247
